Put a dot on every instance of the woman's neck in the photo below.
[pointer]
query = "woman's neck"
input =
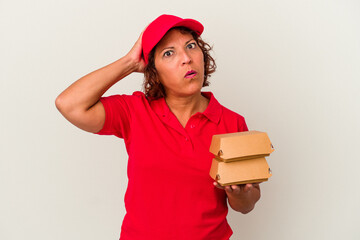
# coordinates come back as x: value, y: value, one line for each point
x: 184, y: 107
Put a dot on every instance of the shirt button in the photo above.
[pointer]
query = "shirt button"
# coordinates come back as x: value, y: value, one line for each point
x: 186, y: 139
x: 192, y: 126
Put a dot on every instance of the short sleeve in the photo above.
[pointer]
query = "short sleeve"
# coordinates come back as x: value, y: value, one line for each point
x: 117, y: 115
x: 242, y: 127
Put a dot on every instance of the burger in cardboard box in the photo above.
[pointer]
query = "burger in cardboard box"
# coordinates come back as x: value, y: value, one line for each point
x: 240, y: 157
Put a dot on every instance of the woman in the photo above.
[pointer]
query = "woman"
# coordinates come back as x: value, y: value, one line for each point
x: 167, y: 133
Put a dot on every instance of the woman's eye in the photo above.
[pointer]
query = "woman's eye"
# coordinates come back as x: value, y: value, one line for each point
x: 168, y: 53
x: 192, y: 45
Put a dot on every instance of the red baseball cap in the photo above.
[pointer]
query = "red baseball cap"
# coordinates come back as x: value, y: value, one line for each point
x: 159, y: 27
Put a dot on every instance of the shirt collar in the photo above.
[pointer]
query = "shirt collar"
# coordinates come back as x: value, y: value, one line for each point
x: 212, y: 112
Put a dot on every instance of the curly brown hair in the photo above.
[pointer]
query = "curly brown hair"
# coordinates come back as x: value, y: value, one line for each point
x: 154, y: 89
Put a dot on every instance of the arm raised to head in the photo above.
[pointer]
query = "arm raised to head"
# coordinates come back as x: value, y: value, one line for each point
x: 79, y: 103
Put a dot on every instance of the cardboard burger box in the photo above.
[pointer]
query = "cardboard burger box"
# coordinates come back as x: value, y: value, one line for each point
x: 240, y: 157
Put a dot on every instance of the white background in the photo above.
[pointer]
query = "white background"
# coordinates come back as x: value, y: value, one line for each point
x: 291, y: 68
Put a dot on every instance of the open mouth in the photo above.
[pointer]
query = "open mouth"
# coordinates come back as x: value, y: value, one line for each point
x: 190, y: 74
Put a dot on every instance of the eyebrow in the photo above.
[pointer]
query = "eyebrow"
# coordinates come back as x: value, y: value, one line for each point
x: 174, y: 47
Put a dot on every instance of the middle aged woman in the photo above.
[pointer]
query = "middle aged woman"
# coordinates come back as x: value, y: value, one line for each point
x: 167, y: 132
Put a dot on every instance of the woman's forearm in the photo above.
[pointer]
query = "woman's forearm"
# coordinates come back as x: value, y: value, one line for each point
x: 86, y: 91
x: 80, y: 104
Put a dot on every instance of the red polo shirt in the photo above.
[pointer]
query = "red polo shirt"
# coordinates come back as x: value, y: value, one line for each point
x: 170, y: 195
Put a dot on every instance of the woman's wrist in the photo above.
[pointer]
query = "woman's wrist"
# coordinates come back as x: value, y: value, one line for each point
x: 132, y: 64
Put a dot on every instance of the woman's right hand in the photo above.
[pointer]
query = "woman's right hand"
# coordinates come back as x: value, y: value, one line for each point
x: 135, y: 56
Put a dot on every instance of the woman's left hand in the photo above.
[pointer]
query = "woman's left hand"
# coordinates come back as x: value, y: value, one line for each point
x: 242, y: 198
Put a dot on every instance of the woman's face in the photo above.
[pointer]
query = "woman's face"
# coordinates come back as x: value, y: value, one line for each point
x: 179, y: 62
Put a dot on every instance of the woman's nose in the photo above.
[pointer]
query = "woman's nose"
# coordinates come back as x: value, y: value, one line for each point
x: 186, y: 58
